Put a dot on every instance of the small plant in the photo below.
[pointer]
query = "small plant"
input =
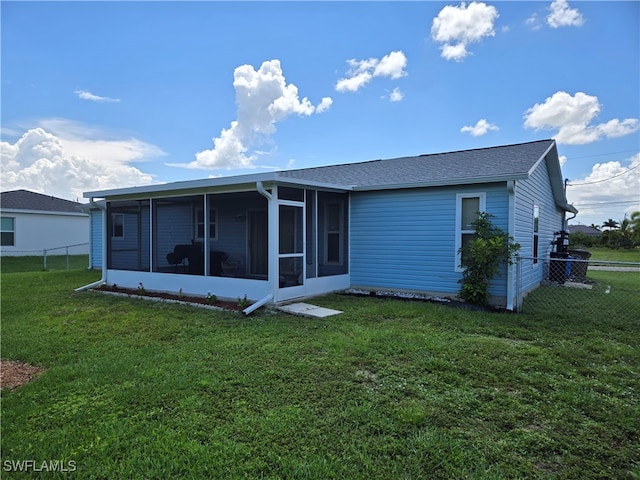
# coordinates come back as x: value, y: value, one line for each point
x: 483, y: 257
x: 141, y: 289
x: 114, y: 287
x: 243, y: 302
x: 180, y: 294
x: 211, y: 298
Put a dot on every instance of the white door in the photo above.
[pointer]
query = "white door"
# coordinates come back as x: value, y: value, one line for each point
x: 291, y: 254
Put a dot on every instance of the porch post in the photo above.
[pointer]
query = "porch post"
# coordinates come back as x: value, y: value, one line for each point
x: 272, y: 221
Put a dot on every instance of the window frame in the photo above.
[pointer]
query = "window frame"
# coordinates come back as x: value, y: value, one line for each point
x: 459, y: 231
x: 339, y: 232
x: 12, y: 232
x: 113, y: 225
x: 213, y: 220
x: 536, y: 233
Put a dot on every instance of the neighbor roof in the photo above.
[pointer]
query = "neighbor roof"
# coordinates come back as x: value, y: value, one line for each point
x: 585, y: 229
x: 26, y: 200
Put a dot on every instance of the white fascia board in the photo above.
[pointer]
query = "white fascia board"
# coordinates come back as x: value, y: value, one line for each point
x: 17, y: 211
x: 183, y: 185
x: 442, y: 183
x: 210, y: 183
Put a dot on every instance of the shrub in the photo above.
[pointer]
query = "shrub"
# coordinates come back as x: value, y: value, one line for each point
x: 483, y: 257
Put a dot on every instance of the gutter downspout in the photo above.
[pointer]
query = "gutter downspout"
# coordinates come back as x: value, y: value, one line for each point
x: 272, y: 246
x: 266, y: 299
x: 511, y: 188
x: 103, y: 278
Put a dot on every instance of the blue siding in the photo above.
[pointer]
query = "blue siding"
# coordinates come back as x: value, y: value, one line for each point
x: 536, y: 190
x: 405, y: 239
x: 96, y: 238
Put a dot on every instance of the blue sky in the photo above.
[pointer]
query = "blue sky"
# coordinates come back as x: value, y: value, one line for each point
x: 115, y: 94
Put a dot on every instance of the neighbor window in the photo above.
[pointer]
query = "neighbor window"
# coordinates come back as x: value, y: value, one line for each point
x: 536, y: 225
x: 117, y: 225
x: 467, y: 208
x: 8, y: 232
x: 213, y: 220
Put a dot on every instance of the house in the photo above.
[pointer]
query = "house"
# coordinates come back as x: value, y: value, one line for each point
x: 392, y: 224
x: 585, y: 230
x: 33, y: 222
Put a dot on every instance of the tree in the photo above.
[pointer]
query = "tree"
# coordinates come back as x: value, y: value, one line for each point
x: 483, y: 256
x: 635, y: 227
x: 611, y: 224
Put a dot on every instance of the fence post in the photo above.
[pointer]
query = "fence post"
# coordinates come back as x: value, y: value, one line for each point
x: 67, y: 250
x: 44, y: 267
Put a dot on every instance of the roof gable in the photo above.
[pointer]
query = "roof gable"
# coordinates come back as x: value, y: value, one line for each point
x: 26, y: 200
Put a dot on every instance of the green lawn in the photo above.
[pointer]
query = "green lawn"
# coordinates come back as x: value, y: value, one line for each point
x: 388, y: 390
x: 620, y: 255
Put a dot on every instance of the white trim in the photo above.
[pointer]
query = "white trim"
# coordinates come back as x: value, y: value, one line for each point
x: 511, y: 231
x: 459, y: 232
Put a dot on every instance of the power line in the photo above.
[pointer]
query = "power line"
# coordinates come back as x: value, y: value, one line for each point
x: 602, y: 154
x: 621, y: 202
x: 604, y: 180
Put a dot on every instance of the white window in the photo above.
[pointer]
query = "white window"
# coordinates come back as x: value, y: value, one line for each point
x: 8, y: 232
x: 213, y: 221
x: 468, y: 205
x: 117, y: 225
x: 536, y: 226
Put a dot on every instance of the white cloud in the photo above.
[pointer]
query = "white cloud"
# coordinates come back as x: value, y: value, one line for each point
x: 480, y: 128
x: 563, y: 16
x: 396, y: 95
x: 458, y: 27
x: 70, y: 159
x: 533, y: 22
x: 84, y: 95
x: 361, y: 72
x: 572, y: 117
x: 325, y: 104
x: 604, y: 193
x: 263, y: 98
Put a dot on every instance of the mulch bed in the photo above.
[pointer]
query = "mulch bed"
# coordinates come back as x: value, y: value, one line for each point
x: 14, y: 373
x: 192, y: 299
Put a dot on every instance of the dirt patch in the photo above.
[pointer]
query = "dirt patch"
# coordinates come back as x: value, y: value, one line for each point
x: 14, y: 373
x: 210, y: 302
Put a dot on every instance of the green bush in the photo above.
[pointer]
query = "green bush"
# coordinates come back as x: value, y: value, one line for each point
x: 483, y: 257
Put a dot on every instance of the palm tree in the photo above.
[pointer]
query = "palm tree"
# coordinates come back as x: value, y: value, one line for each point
x: 635, y: 226
x: 611, y: 224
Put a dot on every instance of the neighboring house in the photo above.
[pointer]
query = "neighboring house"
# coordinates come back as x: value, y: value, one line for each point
x: 33, y: 222
x: 585, y: 230
x: 386, y: 224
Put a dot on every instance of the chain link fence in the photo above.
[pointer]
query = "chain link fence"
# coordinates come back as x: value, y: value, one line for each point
x: 57, y: 258
x: 577, y: 287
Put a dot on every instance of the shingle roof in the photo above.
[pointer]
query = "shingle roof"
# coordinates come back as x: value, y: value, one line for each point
x: 466, y: 166
x: 26, y: 200
x: 585, y: 229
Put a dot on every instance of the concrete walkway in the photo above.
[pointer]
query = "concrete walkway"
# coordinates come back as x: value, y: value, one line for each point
x: 307, y: 310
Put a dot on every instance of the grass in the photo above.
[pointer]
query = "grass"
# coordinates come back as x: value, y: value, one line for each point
x: 620, y: 255
x: 388, y: 389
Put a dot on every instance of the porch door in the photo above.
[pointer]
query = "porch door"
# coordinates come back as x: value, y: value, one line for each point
x: 291, y: 231
x: 258, y: 238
